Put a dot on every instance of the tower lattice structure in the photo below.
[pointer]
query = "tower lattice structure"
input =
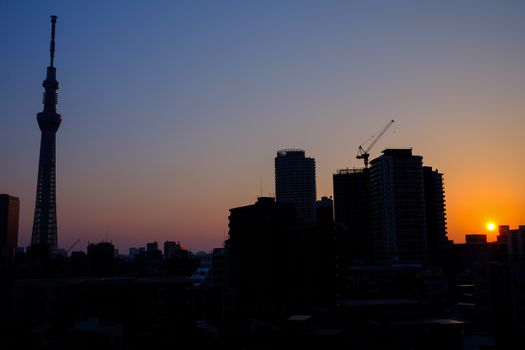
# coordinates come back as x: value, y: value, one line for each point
x: 45, y: 219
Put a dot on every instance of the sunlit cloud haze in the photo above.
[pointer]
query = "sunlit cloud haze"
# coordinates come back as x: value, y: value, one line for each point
x: 173, y: 110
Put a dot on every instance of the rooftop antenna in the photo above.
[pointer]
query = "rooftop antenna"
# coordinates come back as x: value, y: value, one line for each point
x: 52, y: 46
x: 260, y: 180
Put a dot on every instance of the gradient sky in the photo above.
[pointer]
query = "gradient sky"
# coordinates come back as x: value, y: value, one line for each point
x: 173, y: 110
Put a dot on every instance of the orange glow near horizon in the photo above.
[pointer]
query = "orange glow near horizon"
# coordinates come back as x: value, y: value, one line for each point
x: 477, y: 195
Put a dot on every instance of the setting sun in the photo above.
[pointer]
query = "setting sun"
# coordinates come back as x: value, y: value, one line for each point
x: 491, y: 226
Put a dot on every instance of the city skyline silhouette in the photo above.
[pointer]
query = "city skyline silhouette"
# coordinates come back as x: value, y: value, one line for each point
x: 230, y: 175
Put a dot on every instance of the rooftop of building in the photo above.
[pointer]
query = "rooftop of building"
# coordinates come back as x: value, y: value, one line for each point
x: 347, y: 171
x: 324, y: 202
x: 398, y: 152
x: 290, y: 152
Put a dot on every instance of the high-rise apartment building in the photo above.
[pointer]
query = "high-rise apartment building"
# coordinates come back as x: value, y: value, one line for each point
x: 324, y: 211
x: 393, y: 211
x: 351, y: 195
x: 436, y: 220
x: 398, y: 211
x: 352, y: 211
x: 295, y: 183
x: 515, y: 239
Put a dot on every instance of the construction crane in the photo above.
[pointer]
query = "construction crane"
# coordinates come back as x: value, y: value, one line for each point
x: 72, y: 246
x: 364, y: 154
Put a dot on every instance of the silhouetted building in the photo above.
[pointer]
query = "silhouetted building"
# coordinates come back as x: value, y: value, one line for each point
x: 9, y: 216
x: 178, y: 261
x: 475, y: 238
x: 132, y: 252
x: 172, y: 249
x: 496, y: 270
x: 101, y: 258
x: 436, y: 220
x: 515, y: 242
x: 219, y: 276
x: 399, y: 323
x: 499, y: 295
x: 477, y: 251
x: 295, y: 183
x: 324, y: 211
x: 152, y: 247
x: 155, y: 312
x: 44, y: 236
x: 153, y: 251
x: 352, y: 213
x: 352, y: 198
x: 79, y: 263
x: 398, y: 207
x: 503, y: 233
x: 258, y: 253
x: 276, y: 266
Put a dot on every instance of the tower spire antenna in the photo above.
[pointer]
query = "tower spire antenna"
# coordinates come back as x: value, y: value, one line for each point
x: 52, y: 45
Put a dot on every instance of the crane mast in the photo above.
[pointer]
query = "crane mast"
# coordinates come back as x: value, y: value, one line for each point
x: 364, y: 154
x: 72, y: 246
